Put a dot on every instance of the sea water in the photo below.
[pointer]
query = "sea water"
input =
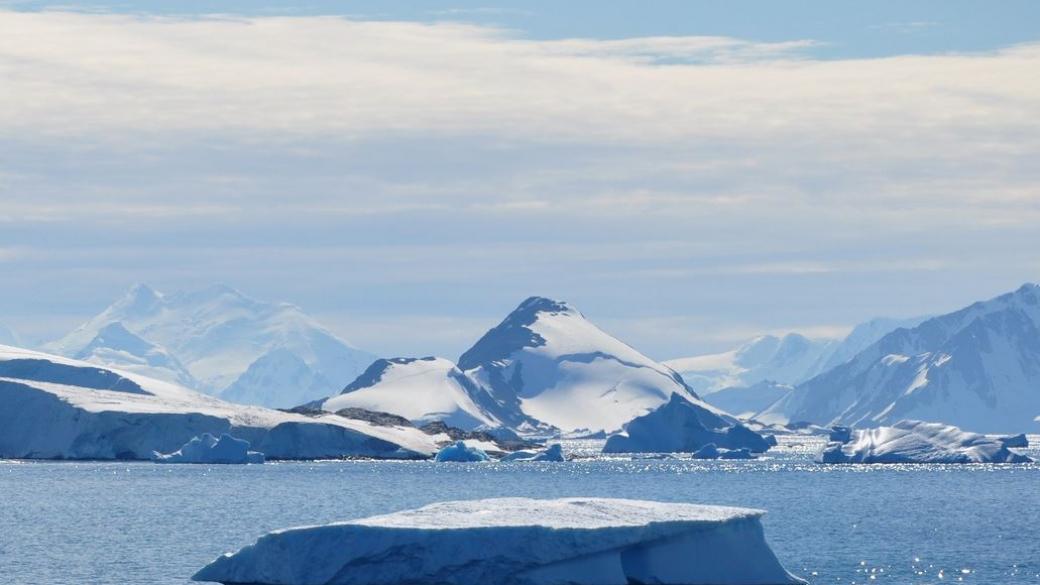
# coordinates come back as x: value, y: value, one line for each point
x: 102, y: 523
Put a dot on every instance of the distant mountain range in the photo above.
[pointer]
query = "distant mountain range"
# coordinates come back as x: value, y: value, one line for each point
x: 977, y: 368
x: 547, y: 368
x: 790, y: 359
x: 220, y: 342
x: 544, y: 366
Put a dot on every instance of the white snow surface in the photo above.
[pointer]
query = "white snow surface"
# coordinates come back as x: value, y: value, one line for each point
x: 422, y: 390
x: 206, y: 448
x: 977, y: 368
x: 547, y: 363
x: 788, y: 360
x: 217, y: 333
x: 56, y: 407
x: 517, y: 541
x: 911, y: 441
x: 552, y: 453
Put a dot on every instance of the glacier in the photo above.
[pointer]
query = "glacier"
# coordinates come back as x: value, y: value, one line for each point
x: 785, y: 360
x: 517, y: 541
x: 53, y: 407
x: 681, y: 426
x: 911, y: 441
x: 206, y: 448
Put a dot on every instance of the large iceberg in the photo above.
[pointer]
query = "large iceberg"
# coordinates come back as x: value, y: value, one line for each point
x: 517, y: 541
x: 911, y: 441
x: 59, y: 408
x: 206, y: 448
x: 460, y: 452
x: 681, y: 426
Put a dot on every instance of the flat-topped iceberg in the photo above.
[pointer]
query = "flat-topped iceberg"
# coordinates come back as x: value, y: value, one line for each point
x: 552, y: 453
x: 682, y: 426
x: 911, y: 441
x: 206, y: 448
x: 460, y: 452
x: 517, y: 541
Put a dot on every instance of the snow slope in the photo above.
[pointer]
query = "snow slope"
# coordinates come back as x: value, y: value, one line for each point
x: 680, y: 426
x: 422, y: 390
x: 977, y: 368
x: 114, y: 344
x: 517, y: 541
x: 59, y: 408
x: 787, y: 360
x: 911, y: 441
x: 217, y: 334
x: 546, y: 362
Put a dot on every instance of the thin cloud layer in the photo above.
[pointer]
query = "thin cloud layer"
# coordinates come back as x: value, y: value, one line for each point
x: 370, y: 169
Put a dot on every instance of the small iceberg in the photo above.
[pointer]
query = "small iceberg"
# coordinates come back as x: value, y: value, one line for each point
x: 552, y: 453
x: 517, y: 541
x: 710, y: 451
x: 206, y: 448
x: 681, y: 426
x: 461, y: 453
x: 911, y: 441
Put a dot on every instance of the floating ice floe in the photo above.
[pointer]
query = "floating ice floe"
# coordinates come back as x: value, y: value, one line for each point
x: 517, y: 541
x: 552, y: 453
x: 461, y: 453
x: 682, y: 426
x: 911, y: 441
x: 710, y: 451
x: 206, y: 448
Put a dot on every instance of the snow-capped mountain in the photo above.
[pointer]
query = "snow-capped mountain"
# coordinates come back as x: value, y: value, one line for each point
x: 788, y: 360
x: 422, y: 390
x: 114, y: 344
x: 53, y: 407
x: 977, y: 368
x: 546, y: 362
x: 861, y: 337
x: 249, y: 350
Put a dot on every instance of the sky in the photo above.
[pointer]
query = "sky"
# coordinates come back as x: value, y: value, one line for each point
x: 688, y: 174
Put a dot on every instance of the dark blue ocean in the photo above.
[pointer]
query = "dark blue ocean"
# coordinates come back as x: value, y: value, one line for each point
x: 141, y: 523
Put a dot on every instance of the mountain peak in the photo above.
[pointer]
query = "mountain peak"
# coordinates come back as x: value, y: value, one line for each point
x: 514, y: 332
x: 535, y: 305
x: 140, y: 298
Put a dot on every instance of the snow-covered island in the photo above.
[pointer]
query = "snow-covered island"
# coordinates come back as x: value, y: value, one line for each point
x: 911, y: 441
x: 53, y: 407
x: 684, y: 426
x: 206, y: 448
x: 517, y: 541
